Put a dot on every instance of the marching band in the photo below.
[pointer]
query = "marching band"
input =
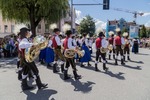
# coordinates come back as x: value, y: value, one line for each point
x: 65, y: 50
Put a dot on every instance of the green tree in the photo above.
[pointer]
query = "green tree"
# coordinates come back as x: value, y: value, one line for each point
x: 148, y: 32
x: 87, y: 25
x: 124, y: 30
x: 33, y: 11
x: 143, y: 32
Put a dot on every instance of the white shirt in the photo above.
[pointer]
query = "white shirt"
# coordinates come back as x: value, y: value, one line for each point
x: 70, y: 46
x: 25, y: 44
x: 86, y: 41
x: 90, y: 43
x: 74, y: 42
x: 104, y: 43
x: 122, y: 40
x: 50, y: 43
x: 58, y: 41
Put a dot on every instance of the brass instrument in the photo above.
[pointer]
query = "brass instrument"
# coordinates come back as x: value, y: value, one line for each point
x: 33, y: 52
x: 110, y: 47
x: 70, y: 53
x: 103, y: 50
x: 122, y: 46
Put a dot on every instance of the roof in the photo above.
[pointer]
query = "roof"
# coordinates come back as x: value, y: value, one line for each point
x: 114, y: 22
x: 131, y: 23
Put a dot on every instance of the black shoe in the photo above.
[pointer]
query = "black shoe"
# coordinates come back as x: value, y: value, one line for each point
x: 89, y: 64
x: 114, y: 57
x: 62, y: 68
x: 96, y: 69
x: 42, y: 62
x: 48, y: 65
x: 66, y: 77
x: 55, y: 68
x: 25, y: 86
x: 109, y: 57
x: 40, y: 84
x: 124, y: 58
x: 129, y: 58
x: 76, y: 76
x: 106, y: 69
x: 19, y: 75
x: 122, y: 62
x: 116, y: 63
x: 100, y: 60
x: 82, y: 65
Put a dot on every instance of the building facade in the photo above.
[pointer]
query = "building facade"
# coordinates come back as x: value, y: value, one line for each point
x: 122, y: 24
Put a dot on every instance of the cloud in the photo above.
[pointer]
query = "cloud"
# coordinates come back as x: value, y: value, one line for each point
x: 146, y: 14
x: 147, y: 24
x: 100, y: 23
x: 78, y: 13
x: 79, y: 16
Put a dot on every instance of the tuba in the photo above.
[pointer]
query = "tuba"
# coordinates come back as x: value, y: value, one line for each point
x: 103, y: 50
x: 39, y: 43
x: 70, y: 53
x: 122, y: 46
x: 110, y: 47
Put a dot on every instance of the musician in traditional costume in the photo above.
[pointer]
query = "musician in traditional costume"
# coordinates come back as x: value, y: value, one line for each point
x: 57, y: 50
x: 49, y: 53
x: 101, y: 43
x: 85, y: 47
x: 118, y: 44
x: 70, y: 61
x: 127, y: 46
x: 90, y: 42
x: 135, y: 47
x: 111, y: 43
x: 24, y: 45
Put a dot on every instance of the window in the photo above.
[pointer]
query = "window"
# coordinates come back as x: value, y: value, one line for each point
x: 39, y: 28
x: 5, y: 28
x: 46, y: 28
x: 12, y: 28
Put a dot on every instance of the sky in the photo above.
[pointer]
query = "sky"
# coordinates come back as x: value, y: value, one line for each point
x: 101, y: 16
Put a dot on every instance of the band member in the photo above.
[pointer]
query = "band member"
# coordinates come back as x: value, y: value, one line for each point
x: 90, y: 42
x: 127, y: 46
x: 70, y: 61
x: 49, y: 53
x: 19, y: 66
x: 57, y: 50
x: 28, y: 66
x: 101, y: 43
x: 111, y: 42
x: 135, y: 47
x: 118, y: 42
x: 87, y: 56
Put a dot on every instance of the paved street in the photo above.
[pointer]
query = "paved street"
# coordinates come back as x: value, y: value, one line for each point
x: 129, y: 82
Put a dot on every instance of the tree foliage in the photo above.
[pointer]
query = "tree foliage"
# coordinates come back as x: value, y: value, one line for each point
x: 124, y: 30
x: 143, y: 32
x: 33, y: 11
x: 87, y: 25
x: 148, y: 32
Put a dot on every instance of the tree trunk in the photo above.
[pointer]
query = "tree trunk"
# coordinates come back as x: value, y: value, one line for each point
x: 32, y: 21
